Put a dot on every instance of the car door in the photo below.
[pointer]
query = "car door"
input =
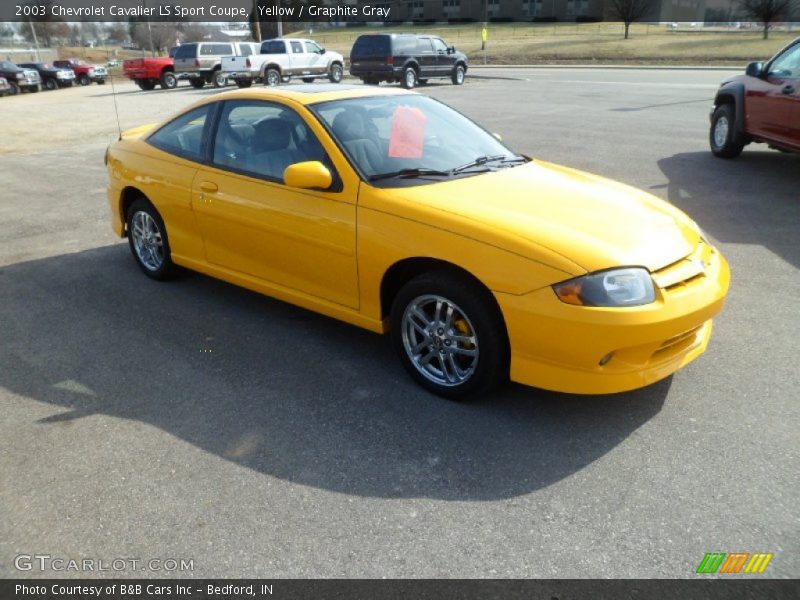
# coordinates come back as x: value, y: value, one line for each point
x: 253, y: 224
x: 444, y: 60
x: 426, y: 58
x: 300, y: 61
x: 317, y: 62
x: 772, y: 99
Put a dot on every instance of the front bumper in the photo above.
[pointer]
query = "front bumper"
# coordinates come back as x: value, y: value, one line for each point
x: 593, y: 350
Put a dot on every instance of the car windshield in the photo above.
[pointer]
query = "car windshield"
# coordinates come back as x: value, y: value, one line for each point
x: 399, y: 138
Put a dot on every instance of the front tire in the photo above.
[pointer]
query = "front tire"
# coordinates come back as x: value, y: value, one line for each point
x: 450, y: 335
x: 35, y: 89
x: 147, y: 84
x: 409, y: 80
x: 197, y: 82
x: 336, y: 73
x: 84, y: 80
x: 168, y: 80
x: 147, y: 237
x: 244, y: 83
x: 458, y: 75
x: 724, y: 140
x: 50, y: 84
x: 14, y: 88
x: 219, y: 79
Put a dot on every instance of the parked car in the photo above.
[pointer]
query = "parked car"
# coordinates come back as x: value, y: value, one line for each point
x: 202, y: 61
x: 149, y: 72
x: 4, y: 87
x: 408, y: 58
x: 52, y: 77
x: 393, y: 212
x: 763, y: 105
x: 282, y: 59
x: 20, y: 79
x: 85, y: 73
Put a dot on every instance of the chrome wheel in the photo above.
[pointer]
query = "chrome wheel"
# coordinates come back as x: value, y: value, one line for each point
x: 721, y: 128
x: 440, y: 340
x: 147, y: 241
x: 336, y: 74
x: 459, y: 75
x: 410, y: 78
x: 273, y: 77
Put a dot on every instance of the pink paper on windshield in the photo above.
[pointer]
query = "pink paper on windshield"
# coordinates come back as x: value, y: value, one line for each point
x: 408, y: 133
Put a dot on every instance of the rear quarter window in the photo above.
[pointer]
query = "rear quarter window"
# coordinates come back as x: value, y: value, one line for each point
x: 183, y: 136
x: 216, y: 50
x: 371, y: 45
x: 186, y: 51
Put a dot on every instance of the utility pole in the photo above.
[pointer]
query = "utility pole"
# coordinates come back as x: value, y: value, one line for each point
x: 35, y: 40
x: 256, y: 22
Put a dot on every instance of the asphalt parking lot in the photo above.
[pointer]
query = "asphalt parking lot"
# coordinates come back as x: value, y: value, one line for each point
x: 199, y: 421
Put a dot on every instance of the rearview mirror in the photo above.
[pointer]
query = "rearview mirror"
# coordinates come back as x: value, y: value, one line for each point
x: 309, y: 175
x: 755, y: 69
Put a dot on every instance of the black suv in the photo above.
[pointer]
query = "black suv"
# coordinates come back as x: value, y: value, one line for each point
x: 18, y: 79
x: 405, y: 57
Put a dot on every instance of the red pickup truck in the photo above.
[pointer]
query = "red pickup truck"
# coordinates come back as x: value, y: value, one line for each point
x: 84, y: 72
x: 763, y: 105
x: 149, y: 72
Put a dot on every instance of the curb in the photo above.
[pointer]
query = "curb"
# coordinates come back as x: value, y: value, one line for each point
x: 621, y: 67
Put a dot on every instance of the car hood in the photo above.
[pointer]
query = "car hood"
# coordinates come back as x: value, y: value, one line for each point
x: 560, y: 216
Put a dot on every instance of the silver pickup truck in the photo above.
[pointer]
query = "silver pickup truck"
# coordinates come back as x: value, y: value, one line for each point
x: 201, y: 61
x: 281, y: 59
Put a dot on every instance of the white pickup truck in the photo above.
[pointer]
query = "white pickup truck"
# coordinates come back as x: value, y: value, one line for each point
x: 281, y: 59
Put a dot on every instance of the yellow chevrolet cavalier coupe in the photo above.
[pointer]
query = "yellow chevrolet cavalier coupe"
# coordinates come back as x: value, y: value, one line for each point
x: 391, y: 211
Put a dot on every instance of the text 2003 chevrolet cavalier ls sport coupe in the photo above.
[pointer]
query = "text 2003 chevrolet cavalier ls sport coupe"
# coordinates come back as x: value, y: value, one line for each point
x: 393, y: 212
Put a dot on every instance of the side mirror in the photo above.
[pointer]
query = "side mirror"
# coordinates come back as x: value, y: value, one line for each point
x: 322, y: 50
x: 498, y: 136
x: 755, y: 69
x: 451, y: 50
x: 308, y: 175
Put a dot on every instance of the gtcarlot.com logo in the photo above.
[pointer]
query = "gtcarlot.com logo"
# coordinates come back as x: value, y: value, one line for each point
x: 734, y: 562
x: 45, y: 562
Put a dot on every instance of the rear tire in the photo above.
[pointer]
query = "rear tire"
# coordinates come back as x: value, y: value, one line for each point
x: 148, y: 241
x: 409, y: 80
x: 14, y: 88
x: 724, y: 140
x: 168, y: 80
x: 459, y: 354
x: 272, y: 77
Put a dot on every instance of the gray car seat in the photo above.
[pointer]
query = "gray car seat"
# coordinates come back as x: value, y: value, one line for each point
x: 350, y: 128
x: 272, y: 148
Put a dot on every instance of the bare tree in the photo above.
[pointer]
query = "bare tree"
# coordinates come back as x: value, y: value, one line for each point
x: 194, y: 32
x: 49, y: 29
x: 629, y: 11
x: 163, y: 36
x: 765, y: 12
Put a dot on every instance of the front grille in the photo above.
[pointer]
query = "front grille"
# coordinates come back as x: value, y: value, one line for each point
x: 687, y: 271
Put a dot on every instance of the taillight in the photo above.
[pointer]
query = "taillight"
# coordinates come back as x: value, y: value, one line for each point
x: 248, y: 63
x: 390, y: 61
x: 196, y: 62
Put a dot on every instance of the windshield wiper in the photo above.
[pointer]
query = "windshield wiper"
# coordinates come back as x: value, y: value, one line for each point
x: 410, y: 173
x: 482, y: 160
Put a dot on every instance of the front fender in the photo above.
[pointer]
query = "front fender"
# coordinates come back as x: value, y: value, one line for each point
x: 733, y: 93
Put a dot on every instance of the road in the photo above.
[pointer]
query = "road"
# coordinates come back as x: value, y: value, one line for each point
x: 199, y: 421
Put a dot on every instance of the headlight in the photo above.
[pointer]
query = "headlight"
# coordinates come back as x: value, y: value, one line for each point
x: 631, y: 286
x: 91, y: 72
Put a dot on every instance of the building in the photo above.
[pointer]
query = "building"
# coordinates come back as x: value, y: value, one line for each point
x: 533, y: 10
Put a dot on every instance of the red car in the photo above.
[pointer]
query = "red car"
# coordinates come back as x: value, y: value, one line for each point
x: 149, y: 72
x: 763, y: 105
x: 84, y: 72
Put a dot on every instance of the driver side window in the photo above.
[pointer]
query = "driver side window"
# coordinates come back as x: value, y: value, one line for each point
x: 787, y: 64
x: 262, y: 139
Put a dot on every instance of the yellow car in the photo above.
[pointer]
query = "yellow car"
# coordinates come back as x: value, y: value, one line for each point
x: 391, y: 211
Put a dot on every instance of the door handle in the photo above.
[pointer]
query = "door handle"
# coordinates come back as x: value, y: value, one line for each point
x: 789, y: 89
x: 208, y: 186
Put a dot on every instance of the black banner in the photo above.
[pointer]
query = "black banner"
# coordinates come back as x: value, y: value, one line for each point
x: 438, y: 589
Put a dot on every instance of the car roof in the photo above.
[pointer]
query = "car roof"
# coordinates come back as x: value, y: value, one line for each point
x: 310, y: 93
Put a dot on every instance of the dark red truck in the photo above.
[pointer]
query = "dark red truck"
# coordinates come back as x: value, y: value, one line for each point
x: 763, y: 105
x: 149, y: 72
x: 85, y: 73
